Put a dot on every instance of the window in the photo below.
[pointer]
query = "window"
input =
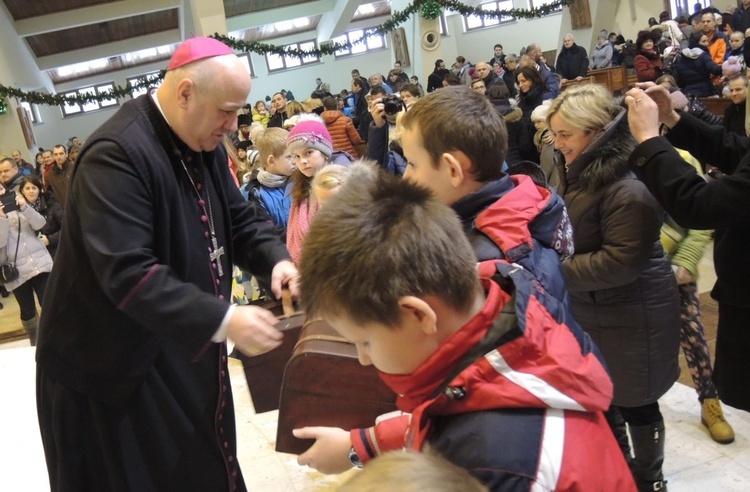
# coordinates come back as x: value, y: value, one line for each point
x: 76, y: 108
x: 535, y: 4
x: 685, y: 7
x: 245, y: 58
x: 443, y: 25
x: 142, y: 90
x: 33, y: 111
x: 472, y: 22
x: 277, y: 63
x: 372, y: 43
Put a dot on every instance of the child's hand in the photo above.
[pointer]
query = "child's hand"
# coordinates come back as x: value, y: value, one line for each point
x: 330, y: 453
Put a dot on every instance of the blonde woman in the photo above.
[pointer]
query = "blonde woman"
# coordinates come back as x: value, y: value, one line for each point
x: 621, y: 285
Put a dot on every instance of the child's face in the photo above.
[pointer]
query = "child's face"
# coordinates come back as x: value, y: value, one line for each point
x: 540, y: 125
x: 281, y: 165
x: 241, y: 153
x: 736, y: 40
x: 308, y: 161
x: 408, y: 99
x: 420, y: 168
x: 393, y: 350
x: 479, y: 87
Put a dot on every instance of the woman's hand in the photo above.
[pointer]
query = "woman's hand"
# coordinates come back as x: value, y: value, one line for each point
x: 21, y: 202
x: 643, y: 115
x: 44, y: 239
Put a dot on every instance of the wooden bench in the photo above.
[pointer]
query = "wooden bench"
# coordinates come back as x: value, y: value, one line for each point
x: 615, y: 78
x: 717, y: 105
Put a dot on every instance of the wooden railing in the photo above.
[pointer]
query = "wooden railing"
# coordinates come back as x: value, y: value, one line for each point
x: 717, y: 105
x: 615, y: 78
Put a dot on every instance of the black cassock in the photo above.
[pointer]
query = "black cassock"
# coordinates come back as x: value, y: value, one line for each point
x: 131, y: 392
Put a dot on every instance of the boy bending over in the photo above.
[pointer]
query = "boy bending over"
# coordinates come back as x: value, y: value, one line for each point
x: 510, y: 397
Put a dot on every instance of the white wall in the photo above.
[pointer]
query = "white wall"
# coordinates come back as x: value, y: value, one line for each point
x: 628, y: 21
x: 337, y: 73
x: 477, y: 45
x: 17, y: 69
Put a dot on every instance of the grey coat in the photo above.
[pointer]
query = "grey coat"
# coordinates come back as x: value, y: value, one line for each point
x: 601, y: 56
x: 622, y: 288
x: 33, y: 257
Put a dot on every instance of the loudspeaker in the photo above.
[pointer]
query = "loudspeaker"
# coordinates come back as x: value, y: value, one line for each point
x: 430, y: 40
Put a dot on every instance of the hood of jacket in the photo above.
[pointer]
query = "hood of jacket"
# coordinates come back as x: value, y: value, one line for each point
x: 506, y: 214
x: 605, y: 160
x: 509, y: 112
x: 331, y: 115
x: 490, y: 363
x: 693, y: 53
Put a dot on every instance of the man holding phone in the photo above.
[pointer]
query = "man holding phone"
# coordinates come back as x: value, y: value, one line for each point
x: 9, y: 174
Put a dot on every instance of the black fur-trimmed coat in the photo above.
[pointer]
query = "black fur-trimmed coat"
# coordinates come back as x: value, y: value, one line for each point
x: 621, y: 286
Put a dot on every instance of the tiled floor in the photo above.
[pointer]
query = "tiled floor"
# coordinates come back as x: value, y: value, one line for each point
x: 693, y: 461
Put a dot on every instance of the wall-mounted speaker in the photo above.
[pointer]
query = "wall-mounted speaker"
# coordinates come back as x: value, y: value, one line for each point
x: 430, y: 40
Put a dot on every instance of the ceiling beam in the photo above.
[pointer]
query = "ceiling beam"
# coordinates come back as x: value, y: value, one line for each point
x: 91, y: 15
x: 271, y: 16
x: 109, y: 49
x: 334, y: 22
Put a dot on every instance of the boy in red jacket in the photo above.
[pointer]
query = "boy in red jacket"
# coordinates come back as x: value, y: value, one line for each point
x: 489, y: 379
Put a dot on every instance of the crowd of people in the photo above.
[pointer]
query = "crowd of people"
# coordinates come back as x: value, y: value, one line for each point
x: 30, y: 223
x: 275, y: 189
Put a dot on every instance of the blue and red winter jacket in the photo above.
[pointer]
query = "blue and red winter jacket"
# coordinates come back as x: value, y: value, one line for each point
x: 516, y: 395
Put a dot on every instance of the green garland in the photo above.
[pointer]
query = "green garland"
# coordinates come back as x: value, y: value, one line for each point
x: 35, y: 97
x: 3, y: 105
x: 426, y: 7
x: 398, y: 18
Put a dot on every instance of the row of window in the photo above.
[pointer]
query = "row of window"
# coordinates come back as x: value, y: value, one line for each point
x: 277, y: 63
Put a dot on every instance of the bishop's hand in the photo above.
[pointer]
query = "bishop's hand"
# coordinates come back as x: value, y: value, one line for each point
x: 253, y: 331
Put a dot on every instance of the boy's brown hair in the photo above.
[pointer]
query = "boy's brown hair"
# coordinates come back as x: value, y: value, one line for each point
x: 379, y: 239
x: 456, y: 118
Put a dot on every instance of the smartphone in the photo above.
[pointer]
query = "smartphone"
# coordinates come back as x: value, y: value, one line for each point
x: 8, y: 201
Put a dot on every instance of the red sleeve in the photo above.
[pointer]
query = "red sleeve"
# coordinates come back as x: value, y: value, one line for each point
x: 388, y: 435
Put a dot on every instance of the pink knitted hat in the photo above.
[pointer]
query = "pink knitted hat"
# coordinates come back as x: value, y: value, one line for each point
x: 310, y: 134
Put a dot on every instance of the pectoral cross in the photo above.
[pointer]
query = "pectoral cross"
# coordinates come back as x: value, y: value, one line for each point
x: 216, y: 255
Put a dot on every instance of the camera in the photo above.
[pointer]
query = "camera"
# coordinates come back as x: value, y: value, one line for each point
x: 8, y: 201
x: 392, y: 104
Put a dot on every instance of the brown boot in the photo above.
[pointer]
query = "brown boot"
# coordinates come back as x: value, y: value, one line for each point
x: 713, y: 418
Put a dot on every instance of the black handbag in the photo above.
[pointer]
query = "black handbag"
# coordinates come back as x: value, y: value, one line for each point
x: 8, y: 271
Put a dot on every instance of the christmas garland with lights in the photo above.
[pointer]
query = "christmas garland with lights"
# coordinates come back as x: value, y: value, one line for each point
x: 429, y: 9
x: 36, y: 97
